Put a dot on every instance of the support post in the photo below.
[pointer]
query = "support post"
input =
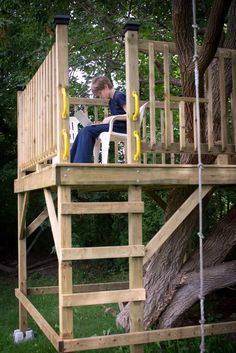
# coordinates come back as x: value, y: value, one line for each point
x: 22, y: 254
x: 136, y: 268
x: 134, y: 192
x: 65, y: 267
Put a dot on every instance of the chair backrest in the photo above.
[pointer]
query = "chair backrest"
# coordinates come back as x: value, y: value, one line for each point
x: 73, y: 122
x: 142, y: 111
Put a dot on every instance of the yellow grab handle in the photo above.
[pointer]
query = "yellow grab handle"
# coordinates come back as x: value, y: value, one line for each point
x: 64, y: 114
x: 136, y: 106
x: 66, y: 145
x: 138, y: 146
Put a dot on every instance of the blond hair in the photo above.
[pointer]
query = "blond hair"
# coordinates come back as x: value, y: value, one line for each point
x: 99, y: 83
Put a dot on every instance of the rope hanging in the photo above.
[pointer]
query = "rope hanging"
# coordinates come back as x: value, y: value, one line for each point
x: 200, y: 166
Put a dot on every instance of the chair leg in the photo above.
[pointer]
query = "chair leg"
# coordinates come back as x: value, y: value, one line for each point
x: 105, y: 141
x: 96, y: 151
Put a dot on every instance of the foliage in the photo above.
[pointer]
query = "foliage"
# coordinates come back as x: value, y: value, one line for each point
x: 97, y: 319
x: 96, y: 46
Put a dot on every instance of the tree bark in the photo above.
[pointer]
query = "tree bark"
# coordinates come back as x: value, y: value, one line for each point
x: 219, y: 276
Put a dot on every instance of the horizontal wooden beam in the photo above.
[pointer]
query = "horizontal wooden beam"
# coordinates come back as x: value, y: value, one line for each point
x: 88, y: 101
x: 102, y: 207
x: 80, y: 288
x: 38, y: 318
x: 37, y: 222
x: 125, y: 339
x: 114, y: 175
x: 103, y: 297
x: 44, y: 178
x: 106, y: 252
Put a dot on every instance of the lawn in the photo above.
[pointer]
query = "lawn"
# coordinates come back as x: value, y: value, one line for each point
x: 88, y: 321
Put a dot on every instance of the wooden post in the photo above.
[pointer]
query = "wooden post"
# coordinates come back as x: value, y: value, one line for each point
x: 167, y: 97
x: 222, y: 103
x: 136, y: 268
x: 65, y: 267
x: 134, y: 192
x: 132, y: 85
x: 233, y: 99
x: 22, y: 264
x: 62, y: 82
x: 152, y: 98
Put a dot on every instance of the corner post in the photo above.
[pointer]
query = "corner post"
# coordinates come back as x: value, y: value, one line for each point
x: 132, y: 85
x: 62, y: 82
x: 21, y: 197
x: 64, y: 192
x: 136, y: 313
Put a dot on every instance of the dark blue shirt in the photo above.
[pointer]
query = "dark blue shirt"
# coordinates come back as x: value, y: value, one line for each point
x: 117, y: 102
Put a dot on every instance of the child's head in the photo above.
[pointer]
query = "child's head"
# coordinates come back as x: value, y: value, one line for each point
x: 101, y: 86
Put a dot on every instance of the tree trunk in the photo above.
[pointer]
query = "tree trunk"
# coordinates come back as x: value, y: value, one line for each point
x: 163, y: 272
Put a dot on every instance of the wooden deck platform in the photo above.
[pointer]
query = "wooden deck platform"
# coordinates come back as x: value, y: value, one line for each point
x: 110, y: 176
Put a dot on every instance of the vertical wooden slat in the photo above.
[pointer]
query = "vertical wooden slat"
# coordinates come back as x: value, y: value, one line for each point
x: 172, y: 155
x: 152, y: 97
x: 50, y: 117
x: 233, y: 98
x: 144, y: 136
x: 44, y: 107
x: 33, y: 117
x: 132, y: 84
x: 135, y: 267
x: 209, y: 109
x: 222, y: 102
x: 54, y: 98
x: 182, y: 120
x: 167, y: 96
x: 162, y: 117
x: 95, y: 114
x: 46, y: 103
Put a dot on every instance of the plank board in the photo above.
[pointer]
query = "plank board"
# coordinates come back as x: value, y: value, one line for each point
x: 126, y: 339
x: 104, y: 297
x: 106, y: 252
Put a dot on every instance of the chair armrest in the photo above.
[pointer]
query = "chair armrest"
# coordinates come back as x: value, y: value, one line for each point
x: 114, y: 118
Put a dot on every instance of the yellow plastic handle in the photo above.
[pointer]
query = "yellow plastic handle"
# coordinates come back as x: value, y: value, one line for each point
x: 64, y: 114
x: 136, y: 106
x: 138, y: 146
x: 66, y: 145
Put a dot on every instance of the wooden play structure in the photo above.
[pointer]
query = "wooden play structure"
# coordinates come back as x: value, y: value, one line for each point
x: 153, y: 162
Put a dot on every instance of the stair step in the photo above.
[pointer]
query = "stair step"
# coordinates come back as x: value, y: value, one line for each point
x: 102, y: 207
x: 106, y: 252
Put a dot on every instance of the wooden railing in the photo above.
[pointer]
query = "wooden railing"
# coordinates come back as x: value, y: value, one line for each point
x: 42, y: 129
x: 41, y: 106
x: 38, y: 119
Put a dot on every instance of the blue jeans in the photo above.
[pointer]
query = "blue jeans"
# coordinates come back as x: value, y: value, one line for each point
x: 82, y: 148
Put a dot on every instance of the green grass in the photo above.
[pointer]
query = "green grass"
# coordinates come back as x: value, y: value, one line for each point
x: 88, y: 321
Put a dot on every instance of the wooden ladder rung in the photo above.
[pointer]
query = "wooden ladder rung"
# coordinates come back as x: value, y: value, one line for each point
x: 106, y: 252
x: 102, y: 207
x: 104, y: 297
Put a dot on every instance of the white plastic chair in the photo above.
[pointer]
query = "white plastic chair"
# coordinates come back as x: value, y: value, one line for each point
x: 105, y: 138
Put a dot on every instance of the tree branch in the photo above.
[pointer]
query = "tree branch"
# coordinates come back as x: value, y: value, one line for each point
x: 213, y: 33
x: 216, y: 277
